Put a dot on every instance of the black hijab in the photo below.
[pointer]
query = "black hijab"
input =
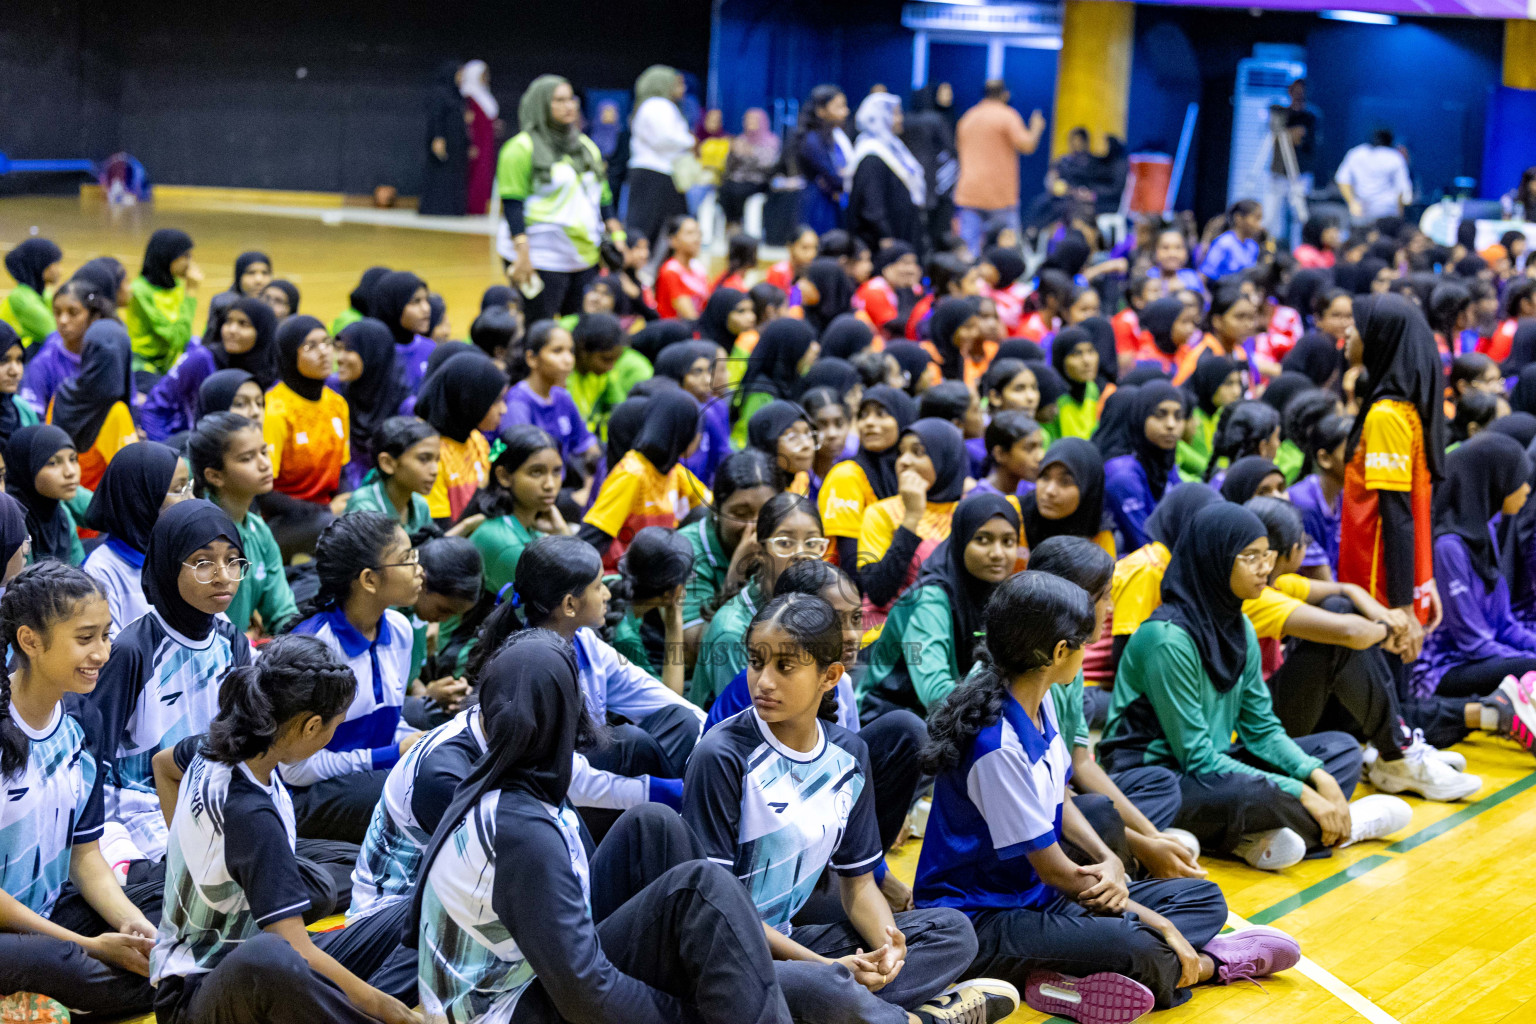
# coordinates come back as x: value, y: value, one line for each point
x: 127, y: 501
x: 660, y: 334
x: 289, y: 290
x: 165, y: 247
x: 949, y: 315
x: 880, y: 468
x: 828, y: 372
x: 1403, y: 362
x: 456, y: 396
x: 1061, y: 347
x: 290, y: 338
x: 1158, y: 318
x: 1166, y: 523
x: 217, y: 392
x: 532, y: 710
x: 1209, y: 375
x: 497, y: 295
x: 1304, y: 286
x: 712, y: 325
x: 243, y: 263
x: 180, y: 531
x: 1085, y: 464
x: 1244, y: 477
x: 774, y: 366
x: 1142, y: 373
x: 26, y: 453
x: 260, y: 361
x: 769, y: 423
x: 1479, y: 475
x: 1316, y: 355
x: 945, y: 446
x: 945, y: 568
x: 361, y: 297
x: 1522, y: 350
x: 1052, y: 385
x: 624, y: 425
x: 1113, y: 434
x: 1069, y: 256
x: 674, y: 361
x: 1156, y: 462
x: 28, y: 260
x: 1197, y: 589
x: 1022, y: 349
x: 1365, y: 273
x: 846, y: 336
x: 1522, y: 397
x: 834, y: 289
x: 1280, y: 391
x: 1519, y: 425
x: 670, y: 424
x: 1103, y: 334
x: 387, y: 300
x: 81, y: 403
x: 376, y: 395
x: 13, y: 528
x: 105, y: 273
x: 10, y: 417
x: 912, y: 358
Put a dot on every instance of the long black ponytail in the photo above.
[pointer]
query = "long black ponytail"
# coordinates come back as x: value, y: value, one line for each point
x: 295, y: 675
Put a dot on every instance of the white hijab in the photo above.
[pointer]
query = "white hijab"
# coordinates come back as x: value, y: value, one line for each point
x: 472, y: 84
x: 875, y: 118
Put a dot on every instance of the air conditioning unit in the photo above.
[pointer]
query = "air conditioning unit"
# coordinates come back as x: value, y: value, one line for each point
x: 1261, y: 84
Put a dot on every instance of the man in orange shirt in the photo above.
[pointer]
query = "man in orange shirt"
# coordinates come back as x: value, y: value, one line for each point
x: 988, y: 140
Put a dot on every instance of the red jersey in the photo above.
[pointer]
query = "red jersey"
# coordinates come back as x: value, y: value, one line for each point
x: 1127, y: 327
x: 1390, y: 458
x: 678, y: 280
x: 1497, y: 345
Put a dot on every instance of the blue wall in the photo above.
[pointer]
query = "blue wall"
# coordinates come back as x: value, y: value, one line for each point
x: 1429, y: 80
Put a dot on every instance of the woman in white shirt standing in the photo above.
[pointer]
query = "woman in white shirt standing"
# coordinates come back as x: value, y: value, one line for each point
x: 658, y: 136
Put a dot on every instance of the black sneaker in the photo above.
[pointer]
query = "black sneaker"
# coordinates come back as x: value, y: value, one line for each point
x: 974, y: 1001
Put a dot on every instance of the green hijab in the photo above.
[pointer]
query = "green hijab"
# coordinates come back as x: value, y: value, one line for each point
x: 551, y: 141
x: 656, y: 80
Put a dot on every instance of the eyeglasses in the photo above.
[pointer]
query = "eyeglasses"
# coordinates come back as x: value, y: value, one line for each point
x: 412, y: 559
x: 315, y: 346
x: 786, y: 546
x: 799, y: 437
x: 1261, y: 560
x: 233, y: 570
x: 182, y: 492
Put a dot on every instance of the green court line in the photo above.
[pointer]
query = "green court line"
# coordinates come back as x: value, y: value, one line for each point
x: 1468, y: 812
x: 1319, y: 889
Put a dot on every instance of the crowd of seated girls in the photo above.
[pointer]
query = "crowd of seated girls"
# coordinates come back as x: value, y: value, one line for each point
x: 545, y: 654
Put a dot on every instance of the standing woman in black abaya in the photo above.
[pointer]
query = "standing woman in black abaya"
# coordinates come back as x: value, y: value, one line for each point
x: 443, y: 189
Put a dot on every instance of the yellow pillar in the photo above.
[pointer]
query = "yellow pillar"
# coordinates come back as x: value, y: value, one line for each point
x: 1093, y: 70
x: 1520, y: 54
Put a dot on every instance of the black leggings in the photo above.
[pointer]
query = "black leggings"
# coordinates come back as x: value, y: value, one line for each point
x: 562, y: 294
x: 1480, y: 678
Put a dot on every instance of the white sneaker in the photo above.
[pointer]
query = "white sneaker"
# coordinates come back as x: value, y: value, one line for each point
x: 1275, y: 849
x: 1186, y: 840
x: 118, y: 850
x: 1449, y: 757
x: 1420, y: 771
x: 917, y: 819
x: 1372, y: 817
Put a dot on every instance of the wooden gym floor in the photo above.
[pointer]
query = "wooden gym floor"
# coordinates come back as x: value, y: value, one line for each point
x: 1437, y: 926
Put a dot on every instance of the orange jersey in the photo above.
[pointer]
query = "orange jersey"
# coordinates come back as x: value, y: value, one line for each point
x: 462, y: 469
x: 1390, y: 458
x: 636, y: 495
x: 308, y: 442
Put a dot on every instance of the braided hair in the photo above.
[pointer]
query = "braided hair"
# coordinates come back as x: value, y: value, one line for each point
x: 347, y: 547
x: 813, y: 626
x: 296, y: 675
x: 39, y: 596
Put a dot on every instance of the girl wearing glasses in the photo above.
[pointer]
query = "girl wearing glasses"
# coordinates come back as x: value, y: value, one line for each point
x: 930, y: 638
x: 899, y: 532
x: 94, y: 406
x: 307, y: 427
x: 784, y: 432
x: 1190, y: 679
x: 161, y: 683
x: 144, y: 481
x: 649, y: 486
x: 367, y: 569
x: 788, y: 530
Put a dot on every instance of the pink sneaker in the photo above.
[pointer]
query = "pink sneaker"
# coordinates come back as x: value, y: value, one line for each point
x: 1102, y: 998
x: 1252, y: 953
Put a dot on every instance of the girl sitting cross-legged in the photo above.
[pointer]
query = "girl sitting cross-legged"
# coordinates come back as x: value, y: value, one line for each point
x: 1000, y: 814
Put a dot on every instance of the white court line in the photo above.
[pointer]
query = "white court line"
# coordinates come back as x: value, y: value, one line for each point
x: 1326, y: 979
